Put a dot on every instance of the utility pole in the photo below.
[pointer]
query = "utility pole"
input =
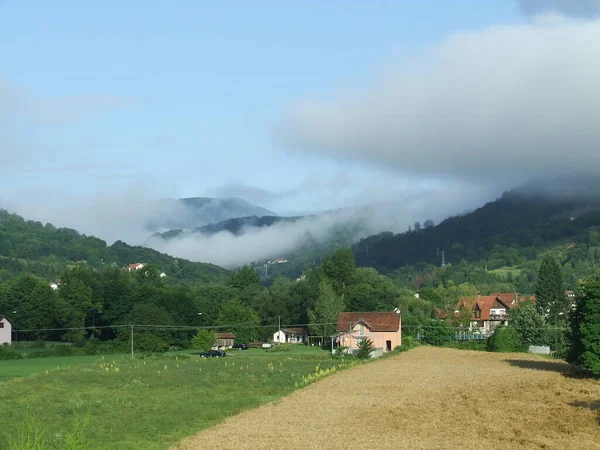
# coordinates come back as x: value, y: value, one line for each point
x: 443, y: 259
x: 279, y: 334
x: 131, y: 341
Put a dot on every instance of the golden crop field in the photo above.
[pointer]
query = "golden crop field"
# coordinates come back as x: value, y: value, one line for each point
x: 423, y: 399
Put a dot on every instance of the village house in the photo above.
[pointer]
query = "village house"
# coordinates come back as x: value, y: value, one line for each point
x: 136, y: 266
x: 489, y: 311
x: 291, y: 335
x: 54, y: 285
x: 382, y: 328
x: 225, y: 340
x: 5, y: 331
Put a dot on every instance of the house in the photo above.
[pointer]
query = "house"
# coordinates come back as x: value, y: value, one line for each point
x: 382, y: 328
x: 225, y: 339
x: 136, y: 266
x: 55, y: 284
x: 162, y: 275
x: 5, y: 331
x: 291, y: 335
x: 489, y: 311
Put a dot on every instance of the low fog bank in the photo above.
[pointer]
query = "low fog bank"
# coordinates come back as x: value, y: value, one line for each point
x: 127, y: 217
x: 256, y: 244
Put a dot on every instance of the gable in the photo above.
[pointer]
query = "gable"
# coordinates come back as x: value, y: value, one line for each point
x: 498, y: 304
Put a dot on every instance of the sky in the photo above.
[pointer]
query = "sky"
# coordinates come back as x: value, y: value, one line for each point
x: 298, y: 106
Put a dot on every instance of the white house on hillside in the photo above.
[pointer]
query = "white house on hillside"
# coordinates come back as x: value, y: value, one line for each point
x: 5, y: 331
x: 291, y: 335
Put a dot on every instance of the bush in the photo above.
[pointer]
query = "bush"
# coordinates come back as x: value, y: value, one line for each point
x: 5, y: 355
x: 39, y: 344
x: 64, y: 350
x: 41, y: 354
x: 478, y: 345
x: 504, y: 339
x: 438, y: 332
x: 279, y: 348
x: 204, y: 340
x: 365, y: 348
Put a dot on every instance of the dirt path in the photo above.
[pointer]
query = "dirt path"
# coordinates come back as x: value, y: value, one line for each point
x: 422, y: 399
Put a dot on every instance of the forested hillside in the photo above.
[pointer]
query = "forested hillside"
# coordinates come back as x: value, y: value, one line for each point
x: 44, y: 250
x: 506, y: 232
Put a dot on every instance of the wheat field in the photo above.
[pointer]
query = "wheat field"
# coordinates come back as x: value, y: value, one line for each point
x: 426, y: 398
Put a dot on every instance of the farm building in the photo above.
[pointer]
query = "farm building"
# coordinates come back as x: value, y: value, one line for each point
x: 382, y: 328
x: 291, y: 335
x: 5, y: 331
x: 225, y: 339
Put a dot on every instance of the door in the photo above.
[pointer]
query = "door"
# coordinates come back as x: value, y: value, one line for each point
x: 388, y: 346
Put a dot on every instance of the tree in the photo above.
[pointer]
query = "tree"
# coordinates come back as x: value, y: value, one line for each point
x: 417, y: 226
x: 504, y: 339
x: 550, y: 290
x: 428, y: 223
x: 204, y: 340
x: 147, y: 338
x: 323, y: 319
x: 437, y: 332
x: 75, y: 302
x: 584, y: 335
x: 340, y: 268
x: 239, y: 319
x: 528, y: 323
x: 365, y: 347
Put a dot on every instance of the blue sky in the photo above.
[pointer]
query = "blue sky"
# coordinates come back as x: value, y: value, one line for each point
x: 181, y: 98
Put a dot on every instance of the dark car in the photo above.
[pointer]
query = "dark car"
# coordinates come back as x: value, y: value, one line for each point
x: 213, y: 354
x: 241, y: 346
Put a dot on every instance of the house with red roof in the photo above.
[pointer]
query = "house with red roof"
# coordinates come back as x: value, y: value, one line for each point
x: 136, y: 266
x: 382, y: 328
x: 489, y: 311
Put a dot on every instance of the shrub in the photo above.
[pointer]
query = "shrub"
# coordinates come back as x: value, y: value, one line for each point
x: 6, y: 355
x: 504, y: 339
x: 39, y: 344
x: 64, y: 350
x: 438, y: 332
x: 365, y: 348
x: 279, y: 348
x: 204, y: 340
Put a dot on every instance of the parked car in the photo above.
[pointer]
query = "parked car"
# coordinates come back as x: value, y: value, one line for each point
x: 213, y: 354
x: 241, y: 346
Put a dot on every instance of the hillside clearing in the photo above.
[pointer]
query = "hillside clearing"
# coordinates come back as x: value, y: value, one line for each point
x: 426, y: 398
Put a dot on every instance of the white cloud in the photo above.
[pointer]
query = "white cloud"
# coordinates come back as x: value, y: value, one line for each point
x: 571, y: 8
x: 503, y: 104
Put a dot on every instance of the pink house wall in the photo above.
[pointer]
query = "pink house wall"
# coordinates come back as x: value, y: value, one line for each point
x: 378, y: 338
x: 5, y: 332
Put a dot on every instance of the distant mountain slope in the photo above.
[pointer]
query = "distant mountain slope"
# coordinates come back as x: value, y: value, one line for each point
x: 191, y: 213
x: 236, y: 226
x: 48, y: 249
x: 530, y: 216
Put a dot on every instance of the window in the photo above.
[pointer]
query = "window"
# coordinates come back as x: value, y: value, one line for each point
x: 361, y: 329
x: 477, y: 313
x: 481, y: 324
x: 1, y: 324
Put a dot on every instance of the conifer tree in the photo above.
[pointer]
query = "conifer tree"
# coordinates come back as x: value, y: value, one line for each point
x: 550, y: 293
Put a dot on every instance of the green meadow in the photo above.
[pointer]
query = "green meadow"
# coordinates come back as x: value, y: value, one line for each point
x: 143, y: 403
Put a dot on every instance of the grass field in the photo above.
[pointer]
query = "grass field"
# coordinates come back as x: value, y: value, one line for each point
x: 147, y: 403
x: 424, y: 399
x: 504, y: 271
x: 24, y: 367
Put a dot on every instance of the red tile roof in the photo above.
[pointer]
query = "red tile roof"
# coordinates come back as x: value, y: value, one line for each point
x: 376, y: 321
x: 225, y: 335
x: 485, y: 303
